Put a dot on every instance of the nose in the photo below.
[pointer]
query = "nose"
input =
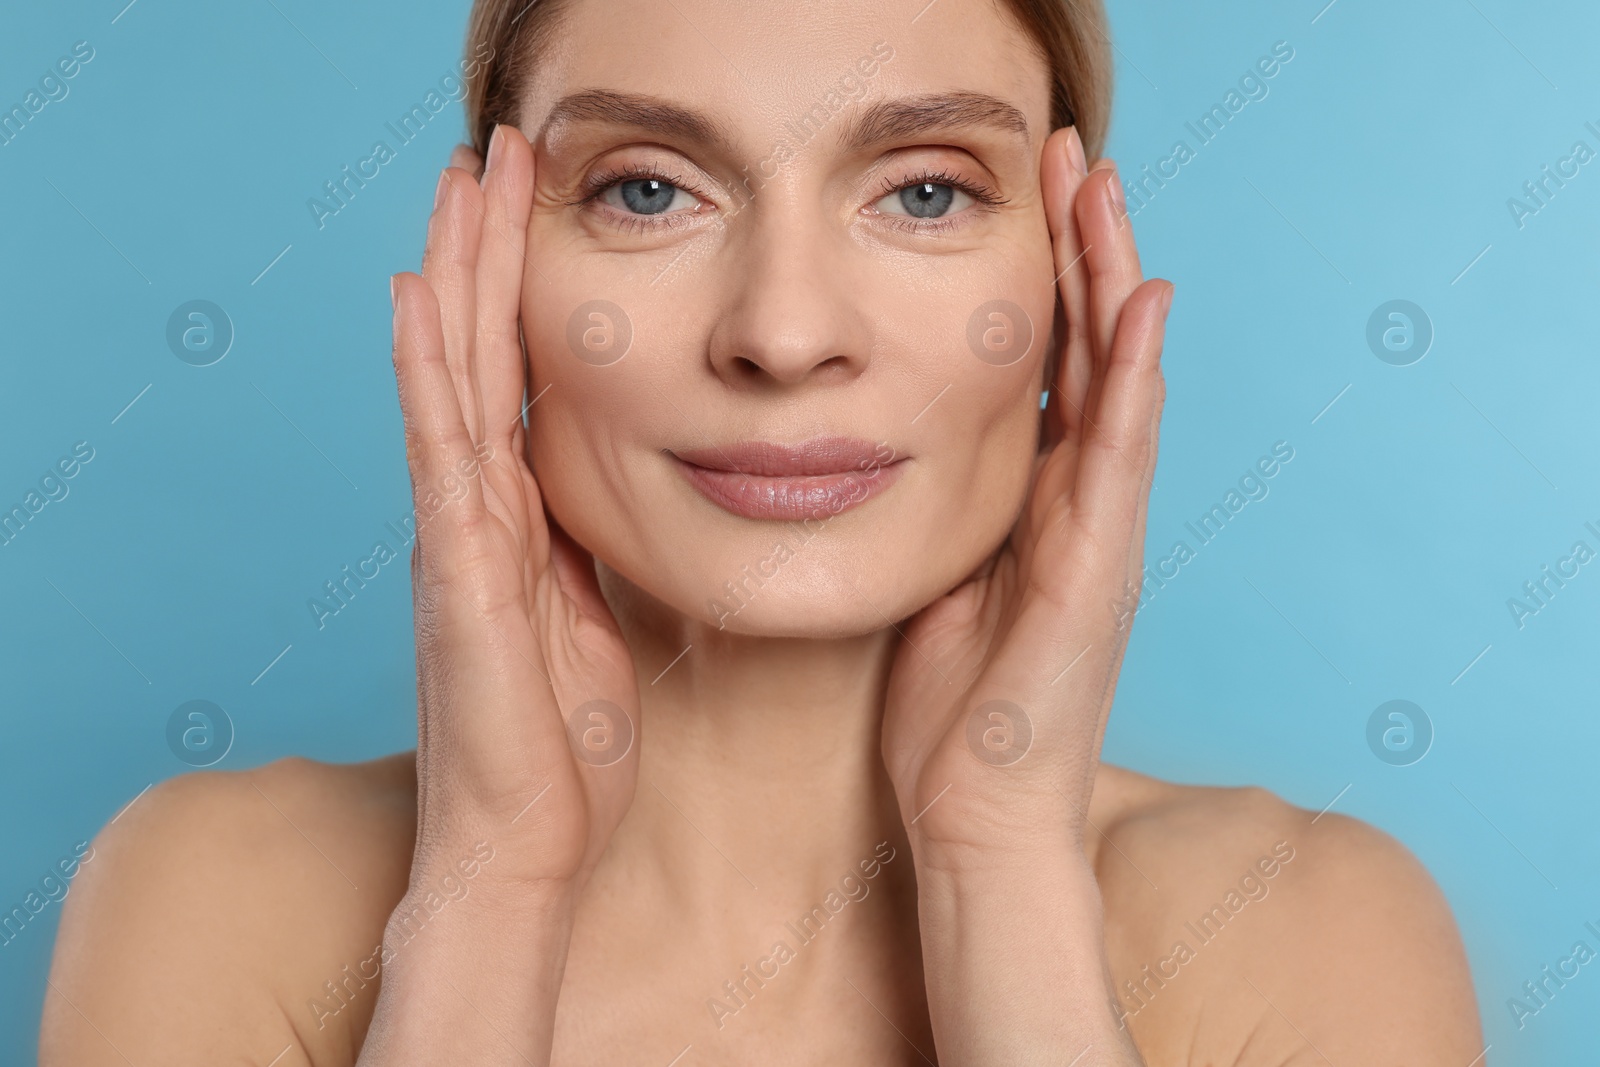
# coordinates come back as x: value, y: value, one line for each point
x: 793, y: 311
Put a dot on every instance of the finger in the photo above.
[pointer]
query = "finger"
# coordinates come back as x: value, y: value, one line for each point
x: 467, y: 159
x: 1128, y: 604
x: 1135, y: 567
x: 1151, y: 456
x: 508, y: 201
x: 1079, y: 569
x: 438, y: 447
x: 1111, y: 255
x: 1062, y: 175
x: 1113, y: 481
x: 449, y: 263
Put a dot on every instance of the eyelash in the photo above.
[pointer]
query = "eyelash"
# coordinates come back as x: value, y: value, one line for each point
x: 987, y: 200
x: 596, y: 185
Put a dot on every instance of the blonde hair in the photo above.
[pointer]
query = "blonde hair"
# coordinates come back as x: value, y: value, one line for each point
x: 1070, y: 36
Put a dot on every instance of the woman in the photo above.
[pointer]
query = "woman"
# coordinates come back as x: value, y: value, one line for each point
x: 766, y: 628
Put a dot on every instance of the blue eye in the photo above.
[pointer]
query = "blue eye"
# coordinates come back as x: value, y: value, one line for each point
x: 646, y: 196
x: 925, y: 200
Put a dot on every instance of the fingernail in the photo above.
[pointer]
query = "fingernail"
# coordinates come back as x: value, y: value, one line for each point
x: 1166, y: 301
x: 494, y: 150
x: 394, y: 291
x: 1114, y: 190
x: 1075, y: 153
x: 438, y: 190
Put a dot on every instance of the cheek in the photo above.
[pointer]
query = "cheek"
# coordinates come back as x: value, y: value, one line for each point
x: 986, y: 426
x: 591, y: 335
x: 582, y: 387
x: 606, y: 366
x: 993, y: 339
x: 982, y: 482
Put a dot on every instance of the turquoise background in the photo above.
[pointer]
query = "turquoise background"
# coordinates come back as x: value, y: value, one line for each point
x: 1378, y: 567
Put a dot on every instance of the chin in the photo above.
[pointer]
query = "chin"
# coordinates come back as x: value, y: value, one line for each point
x: 817, y: 598
x: 790, y: 580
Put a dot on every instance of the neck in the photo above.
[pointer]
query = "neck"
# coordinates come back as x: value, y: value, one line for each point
x: 760, y: 760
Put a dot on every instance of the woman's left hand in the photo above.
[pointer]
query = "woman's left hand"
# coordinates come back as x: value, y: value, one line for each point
x: 999, y: 694
x: 998, y: 697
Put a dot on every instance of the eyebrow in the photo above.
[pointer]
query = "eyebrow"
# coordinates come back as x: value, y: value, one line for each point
x: 890, y: 120
x: 886, y: 120
x: 641, y: 110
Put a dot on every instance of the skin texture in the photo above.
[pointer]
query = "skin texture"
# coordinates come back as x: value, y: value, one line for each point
x: 823, y: 724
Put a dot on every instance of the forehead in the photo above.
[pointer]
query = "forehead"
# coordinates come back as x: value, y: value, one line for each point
x: 755, y: 67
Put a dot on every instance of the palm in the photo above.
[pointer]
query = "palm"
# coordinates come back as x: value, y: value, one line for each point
x: 998, y: 697
x: 553, y: 606
x: 528, y: 703
x: 954, y: 651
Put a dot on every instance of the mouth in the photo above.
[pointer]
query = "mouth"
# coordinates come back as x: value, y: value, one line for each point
x: 816, y: 479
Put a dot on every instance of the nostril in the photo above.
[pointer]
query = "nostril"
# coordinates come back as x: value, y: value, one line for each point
x: 824, y: 370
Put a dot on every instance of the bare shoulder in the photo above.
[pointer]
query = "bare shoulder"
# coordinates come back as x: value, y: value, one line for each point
x: 237, y: 895
x: 1244, y: 930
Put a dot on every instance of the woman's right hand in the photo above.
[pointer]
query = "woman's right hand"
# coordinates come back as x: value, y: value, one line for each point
x: 527, y: 700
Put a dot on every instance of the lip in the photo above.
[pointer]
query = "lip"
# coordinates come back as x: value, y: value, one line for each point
x: 816, y: 479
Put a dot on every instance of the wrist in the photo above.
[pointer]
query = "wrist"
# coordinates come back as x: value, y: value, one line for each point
x: 459, y: 867
x: 994, y: 818
x: 496, y: 908
x: 473, y: 977
x: 992, y: 852
x: 1016, y: 962
x: 969, y: 882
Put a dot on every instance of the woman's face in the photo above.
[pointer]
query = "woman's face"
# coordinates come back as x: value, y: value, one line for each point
x: 774, y: 390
